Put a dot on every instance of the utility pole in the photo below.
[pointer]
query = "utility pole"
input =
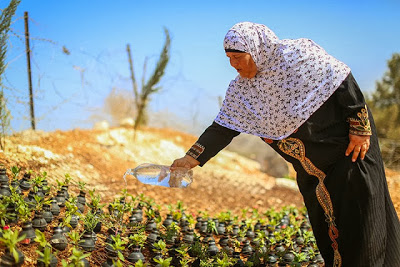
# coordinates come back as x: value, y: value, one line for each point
x: 28, y: 58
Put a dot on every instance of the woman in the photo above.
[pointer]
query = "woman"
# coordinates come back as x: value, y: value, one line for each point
x: 308, y: 107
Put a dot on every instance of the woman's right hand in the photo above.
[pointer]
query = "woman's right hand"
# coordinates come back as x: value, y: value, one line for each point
x: 186, y: 162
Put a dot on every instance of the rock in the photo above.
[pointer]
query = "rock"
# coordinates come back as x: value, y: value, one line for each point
x: 101, y: 125
x: 127, y: 122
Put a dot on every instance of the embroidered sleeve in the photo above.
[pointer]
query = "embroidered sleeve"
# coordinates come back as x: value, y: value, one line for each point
x: 196, y: 150
x: 210, y: 142
x: 360, y: 125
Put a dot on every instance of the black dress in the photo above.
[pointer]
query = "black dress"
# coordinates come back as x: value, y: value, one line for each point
x: 349, y: 206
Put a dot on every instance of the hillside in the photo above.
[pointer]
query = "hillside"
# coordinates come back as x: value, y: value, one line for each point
x: 100, y: 158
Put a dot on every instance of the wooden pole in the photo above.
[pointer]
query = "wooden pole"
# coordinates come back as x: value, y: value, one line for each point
x: 28, y: 58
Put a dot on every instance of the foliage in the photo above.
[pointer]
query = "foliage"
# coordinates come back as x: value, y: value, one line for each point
x: 385, y: 105
x: 163, y: 262
x: 385, y: 101
x: 91, y: 219
x: 118, y: 245
x: 44, y: 250
x: 10, y: 239
x: 75, y: 260
x: 283, y: 228
x: 15, y: 172
x: 138, y: 238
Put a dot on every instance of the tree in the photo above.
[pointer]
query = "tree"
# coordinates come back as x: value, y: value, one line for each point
x: 150, y: 87
x: 385, y: 101
x: 5, y: 22
x: 385, y: 105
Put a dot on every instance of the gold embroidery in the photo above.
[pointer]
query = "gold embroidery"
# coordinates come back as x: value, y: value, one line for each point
x: 295, y: 148
x: 360, y: 126
x: 196, y: 150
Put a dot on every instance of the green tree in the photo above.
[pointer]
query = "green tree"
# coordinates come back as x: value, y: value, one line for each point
x: 385, y: 105
x: 5, y: 22
x: 150, y: 86
x: 385, y: 101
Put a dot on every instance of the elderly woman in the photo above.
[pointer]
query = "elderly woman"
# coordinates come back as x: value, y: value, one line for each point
x: 308, y: 107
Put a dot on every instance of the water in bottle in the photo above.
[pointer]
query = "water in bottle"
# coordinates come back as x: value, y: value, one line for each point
x: 154, y: 174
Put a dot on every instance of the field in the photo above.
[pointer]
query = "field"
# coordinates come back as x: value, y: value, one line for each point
x: 100, y: 158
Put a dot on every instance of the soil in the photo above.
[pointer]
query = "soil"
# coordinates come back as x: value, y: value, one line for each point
x: 100, y: 158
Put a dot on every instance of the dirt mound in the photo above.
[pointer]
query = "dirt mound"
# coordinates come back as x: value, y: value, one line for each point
x: 100, y: 158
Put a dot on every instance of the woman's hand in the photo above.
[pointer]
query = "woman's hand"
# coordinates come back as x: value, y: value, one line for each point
x: 359, y: 144
x: 186, y: 162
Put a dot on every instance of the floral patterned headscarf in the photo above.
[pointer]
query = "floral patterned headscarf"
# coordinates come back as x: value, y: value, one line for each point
x: 294, y: 78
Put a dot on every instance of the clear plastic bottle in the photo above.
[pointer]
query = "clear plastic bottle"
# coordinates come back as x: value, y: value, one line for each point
x: 161, y: 175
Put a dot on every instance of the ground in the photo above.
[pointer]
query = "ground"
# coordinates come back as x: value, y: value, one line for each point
x: 101, y: 157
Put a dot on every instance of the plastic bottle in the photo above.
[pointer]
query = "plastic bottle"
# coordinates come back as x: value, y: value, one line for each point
x: 154, y: 174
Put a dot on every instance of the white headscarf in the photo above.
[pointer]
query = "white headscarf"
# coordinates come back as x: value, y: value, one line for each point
x: 294, y: 78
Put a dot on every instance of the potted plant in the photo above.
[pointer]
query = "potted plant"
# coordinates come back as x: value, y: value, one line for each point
x: 38, y: 221
x: 77, y: 259
x: 46, y: 257
x: 12, y: 256
x: 137, y: 241
x: 115, y: 248
x: 14, y: 180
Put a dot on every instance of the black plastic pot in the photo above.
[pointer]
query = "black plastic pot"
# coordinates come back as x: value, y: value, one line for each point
x: 108, y: 263
x: 39, y: 222
x: 39, y: 192
x: 235, y: 229
x: 199, y: 221
x: 272, y: 259
x: 86, y: 242
x: 28, y: 231
x: 3, y: 176
x: 81, y: 207
x: 138, y: 213
x: 60, y: 199
x: 24, y: 182
x: 13, y: 216
x: 47, y: 214
x: 8, y: 259
x: 250, y: 234
x: 247, y: 250
x: 109, y: 249
x: 53, y: 261
x: 30, y: 199
x: 152, y: 237
x: 81, y: 198
x: 288, y: 257
x: 74, y: 221
x: 15, y: 185
x: 54, y: 208
x: 58, y: 240
x: 168, y: 220
x: 212, y: 249
x: 224, y: 240
x: 133, y: 221
x: 221, y: 228
x: 64, y: 191
x: 84, y: 263
x: 5, y: 190
x: 97, y: 228
x: 239, y: 262
x: 150, y: 225
x: 188, y: 238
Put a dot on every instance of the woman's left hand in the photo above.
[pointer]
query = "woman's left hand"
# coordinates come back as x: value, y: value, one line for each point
x: 359, y: 144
